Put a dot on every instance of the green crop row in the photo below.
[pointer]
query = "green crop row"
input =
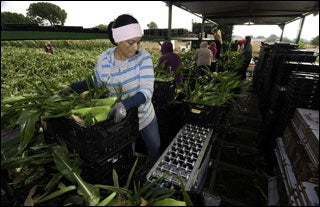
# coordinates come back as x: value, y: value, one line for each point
x: 23, y: 61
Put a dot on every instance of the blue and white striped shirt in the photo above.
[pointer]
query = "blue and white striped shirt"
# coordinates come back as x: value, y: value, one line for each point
x: 134, y: 75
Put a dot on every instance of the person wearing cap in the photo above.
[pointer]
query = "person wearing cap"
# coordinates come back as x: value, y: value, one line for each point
x: 129, y: 69
x: 172, y: 60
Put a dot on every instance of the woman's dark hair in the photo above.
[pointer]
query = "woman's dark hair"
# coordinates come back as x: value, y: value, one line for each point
x: 121, y: 20
x: 248, y: 39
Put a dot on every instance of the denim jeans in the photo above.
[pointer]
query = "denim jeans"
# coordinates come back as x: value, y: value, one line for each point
x: 151, y: 137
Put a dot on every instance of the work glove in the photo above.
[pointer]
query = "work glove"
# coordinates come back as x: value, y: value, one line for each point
x: 118, y: 112
x: 67, y: 90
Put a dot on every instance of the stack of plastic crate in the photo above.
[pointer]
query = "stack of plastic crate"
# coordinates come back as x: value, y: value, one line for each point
x: 302, y: 92
x: 306, y: 124
x: 297, y: 154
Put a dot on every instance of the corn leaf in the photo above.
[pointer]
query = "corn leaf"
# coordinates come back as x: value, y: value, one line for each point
x: 131, y: 174
x: 58, y: 193
x: 108, y: 199
x: 169, y: 202
x: 38, y: 159
x: 27, y: 122
x: 90, y: 192
x: 115, y: 178
x: 54, y: 181
x: 186, y: 196
x: 114, y: 189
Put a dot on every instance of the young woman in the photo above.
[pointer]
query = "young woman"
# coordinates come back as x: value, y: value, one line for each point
x: 129, y: 68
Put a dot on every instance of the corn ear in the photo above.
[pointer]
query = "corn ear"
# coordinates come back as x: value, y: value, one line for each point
x: 92, y: 115
x: 105, y: 101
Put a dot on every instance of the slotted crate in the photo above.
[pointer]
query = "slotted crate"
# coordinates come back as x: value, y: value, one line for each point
x: 95, y: 143
x: 121, y: 162
x: 164, y: 93
x: 203, y: 115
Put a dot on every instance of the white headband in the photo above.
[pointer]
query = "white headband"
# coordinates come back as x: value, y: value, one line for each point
x: 126, y: 32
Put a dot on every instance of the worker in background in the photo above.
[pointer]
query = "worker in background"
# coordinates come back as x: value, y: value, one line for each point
x: 218, y: 40
x: 203, y: 58
x: 241, y: 43
x: 48, y: 48
x: 246, y: 51
x: 172, y: 60
x: 213, y: 48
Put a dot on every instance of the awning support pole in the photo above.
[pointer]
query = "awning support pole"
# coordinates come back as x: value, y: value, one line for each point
x: 282, y: 30
x: 300, y: 29
x: 202, y: 29
x: 169, y: 20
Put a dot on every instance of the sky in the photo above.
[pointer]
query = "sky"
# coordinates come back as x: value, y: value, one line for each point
x: 89, y: 14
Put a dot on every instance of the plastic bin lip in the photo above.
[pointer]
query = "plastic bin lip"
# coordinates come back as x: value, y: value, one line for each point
x: 204, y: 115
x: 195, y: 105
x: 100, y: 123
x: 164, y: 81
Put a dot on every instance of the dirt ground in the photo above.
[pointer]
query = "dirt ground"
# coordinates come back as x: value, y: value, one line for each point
x: 155, y: 45
x: 256, y: 48
x: 150, y: 45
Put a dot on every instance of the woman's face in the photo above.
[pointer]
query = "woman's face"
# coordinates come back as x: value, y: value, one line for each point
x: 128, y: 48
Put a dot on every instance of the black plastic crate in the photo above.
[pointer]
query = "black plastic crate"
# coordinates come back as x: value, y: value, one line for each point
x: 278, y: 96
x: 286, y: 68
x: 170, y: 120
x: 95, y: 143
x: 122, y: 162
x: 284, y: 46
x: 203, y: 115
x: 302, y: 55
x: 164, y: 92
x: 303, y: 85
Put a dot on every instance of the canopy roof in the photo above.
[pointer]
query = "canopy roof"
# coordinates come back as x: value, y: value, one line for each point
x: 255, y: 12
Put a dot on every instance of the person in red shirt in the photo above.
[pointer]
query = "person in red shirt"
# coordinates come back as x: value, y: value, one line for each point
x: 218, y: 40
x: 241, y: 43
x: 213, y: 48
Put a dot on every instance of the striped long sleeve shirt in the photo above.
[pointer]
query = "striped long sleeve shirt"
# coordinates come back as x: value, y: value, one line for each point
x: 134, y: 75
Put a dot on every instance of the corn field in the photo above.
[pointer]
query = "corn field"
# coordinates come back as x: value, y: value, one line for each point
x: 22, y: 62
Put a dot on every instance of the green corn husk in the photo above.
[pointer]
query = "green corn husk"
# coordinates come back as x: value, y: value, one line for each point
x: 105, y: 101
x: 99, y: 112
x: 92, y: 115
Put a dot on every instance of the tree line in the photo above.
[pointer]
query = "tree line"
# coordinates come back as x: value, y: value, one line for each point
x: 44, y: 14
